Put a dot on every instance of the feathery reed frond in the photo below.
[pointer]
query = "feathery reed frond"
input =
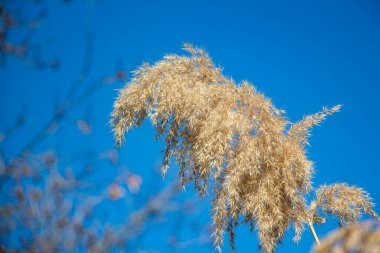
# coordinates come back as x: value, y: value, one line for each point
x: 354, y: 238
x: 228, y: 134
x: 346, y: 203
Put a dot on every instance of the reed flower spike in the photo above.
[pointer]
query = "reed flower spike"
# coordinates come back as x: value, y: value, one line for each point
x: 346, y: 203
x: 227, y: 135
x: 355, y: 238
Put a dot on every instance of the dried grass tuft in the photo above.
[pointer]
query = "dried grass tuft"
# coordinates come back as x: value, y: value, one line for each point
x: 228, y: 134
x: 346, y: 203
x: 354, y: 238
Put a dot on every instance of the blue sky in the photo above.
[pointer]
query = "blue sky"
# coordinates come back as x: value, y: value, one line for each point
x: 301, y: 54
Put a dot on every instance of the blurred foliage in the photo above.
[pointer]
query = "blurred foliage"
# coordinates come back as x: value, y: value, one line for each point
x: 49, y: 202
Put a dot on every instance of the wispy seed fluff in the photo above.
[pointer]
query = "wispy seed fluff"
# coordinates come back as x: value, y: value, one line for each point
x: 227, y: 134
x: 354, y: 238
x: 345, y: 203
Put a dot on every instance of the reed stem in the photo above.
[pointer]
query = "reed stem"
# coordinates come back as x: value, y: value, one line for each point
x: 314, y: 234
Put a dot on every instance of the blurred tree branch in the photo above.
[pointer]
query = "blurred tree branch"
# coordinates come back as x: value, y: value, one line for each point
x: 50, y: 203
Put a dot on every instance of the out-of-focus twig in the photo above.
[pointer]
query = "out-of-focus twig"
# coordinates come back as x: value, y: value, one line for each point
x: 158, y: 204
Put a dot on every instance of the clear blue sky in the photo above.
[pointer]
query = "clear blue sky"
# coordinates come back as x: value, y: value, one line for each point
x: 302, y: 54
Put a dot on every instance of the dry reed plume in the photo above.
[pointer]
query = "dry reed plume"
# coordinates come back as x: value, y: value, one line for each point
x: 355, y: 238
x: 229, y: 135
x: 346, y: 203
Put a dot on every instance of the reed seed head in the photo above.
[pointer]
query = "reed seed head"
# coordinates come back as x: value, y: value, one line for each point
x: 226, y: 134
